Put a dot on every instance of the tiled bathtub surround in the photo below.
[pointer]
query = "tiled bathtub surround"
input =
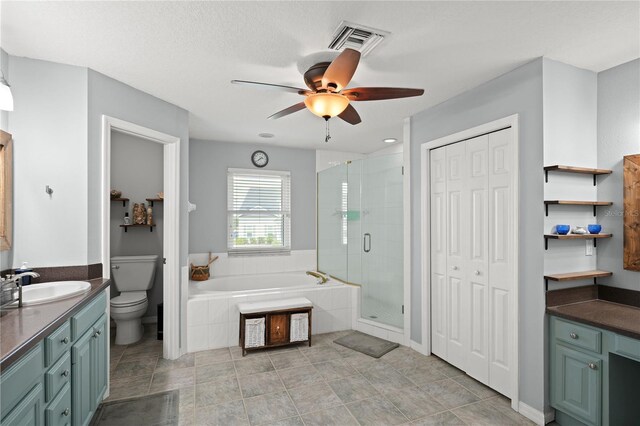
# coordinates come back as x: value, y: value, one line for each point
x: 213, y: 321
x: 297, y: 260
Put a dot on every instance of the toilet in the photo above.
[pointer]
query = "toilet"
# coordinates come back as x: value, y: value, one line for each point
x: 132, y: 276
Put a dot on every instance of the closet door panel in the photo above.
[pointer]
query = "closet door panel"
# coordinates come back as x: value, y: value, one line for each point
x: 501, y: 252
x: 457, y: 249
x: 438, y: 250
x: 477, y: 261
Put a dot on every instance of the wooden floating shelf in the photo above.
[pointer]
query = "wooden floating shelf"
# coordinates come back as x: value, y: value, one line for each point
x: 124, y: 200
x: 154, y: 200
x: 578, y: 170
x: 595, y: 204
x: 593, y: 237
x: 137, y: 226
x: 571, y: 276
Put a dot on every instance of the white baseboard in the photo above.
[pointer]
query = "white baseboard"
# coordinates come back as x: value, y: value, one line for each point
x: 538, y: 417
x: 419, y: 347
x: 150, y: 320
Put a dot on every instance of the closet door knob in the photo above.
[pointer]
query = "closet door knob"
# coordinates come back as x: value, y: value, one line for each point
x: 455, y: 268
x: 476, y: 272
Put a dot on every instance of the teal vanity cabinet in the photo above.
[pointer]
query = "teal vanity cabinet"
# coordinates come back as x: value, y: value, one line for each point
x: 62, y: 380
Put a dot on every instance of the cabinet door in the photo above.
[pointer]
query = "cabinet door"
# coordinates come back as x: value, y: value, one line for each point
x: 278, y: 329
x: 99, y: 358
x: 82, y: 402
x: 577, y: 385
x: 29, y: 410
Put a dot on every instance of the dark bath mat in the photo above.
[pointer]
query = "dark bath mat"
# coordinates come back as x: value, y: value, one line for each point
x: 368, y: 345
x: 159, y: 409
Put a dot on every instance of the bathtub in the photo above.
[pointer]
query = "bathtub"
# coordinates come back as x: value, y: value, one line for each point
x: 213, y: 316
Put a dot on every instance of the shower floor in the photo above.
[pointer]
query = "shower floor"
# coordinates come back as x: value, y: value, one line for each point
x: 379, y: 311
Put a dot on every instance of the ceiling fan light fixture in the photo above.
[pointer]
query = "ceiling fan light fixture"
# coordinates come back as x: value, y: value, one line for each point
x: 326, y: 104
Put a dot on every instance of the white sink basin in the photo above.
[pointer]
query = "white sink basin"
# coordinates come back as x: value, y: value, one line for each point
x: 36, y: 294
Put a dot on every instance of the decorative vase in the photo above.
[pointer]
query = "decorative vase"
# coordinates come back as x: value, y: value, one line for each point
x: 149, y: 216
x: 139, y: 214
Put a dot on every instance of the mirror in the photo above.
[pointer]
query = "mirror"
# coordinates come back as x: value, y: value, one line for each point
x: 6, y: 187
x: 632, y: 212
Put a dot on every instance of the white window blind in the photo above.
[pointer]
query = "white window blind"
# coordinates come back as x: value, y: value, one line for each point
x: 259, y: 211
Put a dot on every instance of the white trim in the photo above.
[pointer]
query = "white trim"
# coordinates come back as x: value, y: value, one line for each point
x: 538, y: 417
x: 510, y: 121
x: 171, y: 227
x: 406, y: 219
x: 380, y: 325
x: 419, y: 347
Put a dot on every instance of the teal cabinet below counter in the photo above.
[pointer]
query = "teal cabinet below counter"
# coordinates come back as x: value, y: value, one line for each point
x: 581, y: 362
x: 63, y: 374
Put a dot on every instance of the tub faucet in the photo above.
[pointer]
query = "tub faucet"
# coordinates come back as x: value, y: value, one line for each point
x: 321, y: 278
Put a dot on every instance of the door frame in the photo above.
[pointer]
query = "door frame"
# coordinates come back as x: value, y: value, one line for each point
x: 171, y: 221
x: 425, y: 221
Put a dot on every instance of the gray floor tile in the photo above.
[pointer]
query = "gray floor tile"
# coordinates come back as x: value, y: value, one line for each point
x: 334, y: 416
x: 290, y: 359
x: 362, y: 362
x: 128, y: 388
x: 313, y: 398
x: 449, y: 393
x: 320, y: 354
x: 259, y: 384
x: 383, y: 377
x: 213, y: 356
x: 248, y: 366
x: 503, y: 405
x: 414, y: 402
x: 476, y: 388
x: 291, y: 421
x: 353, y: 388
x: 217, y: 392
x: 335, y: 369
x: 172, y: 379
x: 269, y: 408
x: 376, y: 411
x: 186, y: 360
x: 446, y: 418
x: 423, y: 374
x: 228, y: 413
x: 300, y: 376
x: 483, y: 413
x: 144, y: 348
x: 209, y: 372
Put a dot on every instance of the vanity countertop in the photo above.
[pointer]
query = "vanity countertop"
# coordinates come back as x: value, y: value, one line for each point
x: 21, y: 329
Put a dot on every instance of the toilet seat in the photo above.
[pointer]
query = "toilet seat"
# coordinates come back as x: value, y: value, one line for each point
x: 129, y: 299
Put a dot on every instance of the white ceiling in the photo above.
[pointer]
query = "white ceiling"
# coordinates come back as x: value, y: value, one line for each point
x: 187, y: 52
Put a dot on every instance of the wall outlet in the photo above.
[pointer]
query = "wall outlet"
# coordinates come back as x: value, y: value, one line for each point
x: 589, y: 248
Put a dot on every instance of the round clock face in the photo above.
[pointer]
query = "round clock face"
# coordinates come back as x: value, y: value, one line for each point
x: 259, y: 158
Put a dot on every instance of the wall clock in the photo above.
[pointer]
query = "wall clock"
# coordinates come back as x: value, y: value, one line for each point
x: 259, y: 158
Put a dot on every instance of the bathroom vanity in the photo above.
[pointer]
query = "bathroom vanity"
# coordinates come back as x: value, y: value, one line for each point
x: 54, y: 360
x: 594, y: 355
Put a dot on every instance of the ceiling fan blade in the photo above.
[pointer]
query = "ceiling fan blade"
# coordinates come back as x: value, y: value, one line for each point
x: 350, y: 115
x: 380, y: 93
x: 272, y: 86
x: 341, y: 70
x: 293, y: 108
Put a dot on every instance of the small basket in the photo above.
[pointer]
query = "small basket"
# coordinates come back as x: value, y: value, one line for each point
x: 201, y: 273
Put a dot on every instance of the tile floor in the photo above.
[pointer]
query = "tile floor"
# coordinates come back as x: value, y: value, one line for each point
x: 325, y: 384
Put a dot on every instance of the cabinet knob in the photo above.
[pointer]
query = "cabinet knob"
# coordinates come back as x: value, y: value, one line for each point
x: 66, y: 412
x: 573, y: 335
x: 476, y: 272
x: 592, y: 366
x: 65, y: 340
x: 99, y: 332
x: 65, y: 373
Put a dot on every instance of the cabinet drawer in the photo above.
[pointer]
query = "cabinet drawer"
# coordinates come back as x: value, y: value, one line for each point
x: 57, y: 376
x: 627, y: 346
x: 56, y: 343
x: 20, y: 377
x: 58, y: 413
x: 277, y: 329
x: 84, y: 319
x: 578, y: 336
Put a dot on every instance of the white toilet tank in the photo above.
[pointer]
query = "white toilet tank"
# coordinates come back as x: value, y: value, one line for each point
x: 133, y: 273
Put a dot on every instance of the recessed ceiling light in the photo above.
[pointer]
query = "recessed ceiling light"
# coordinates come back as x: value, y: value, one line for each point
x: 390, y: 140
x: 266, y: 135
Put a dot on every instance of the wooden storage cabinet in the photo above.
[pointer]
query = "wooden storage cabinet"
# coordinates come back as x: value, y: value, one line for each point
x: 277, y: 329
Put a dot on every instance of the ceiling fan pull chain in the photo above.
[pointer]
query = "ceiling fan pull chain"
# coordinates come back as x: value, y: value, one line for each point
x: 327, y: 135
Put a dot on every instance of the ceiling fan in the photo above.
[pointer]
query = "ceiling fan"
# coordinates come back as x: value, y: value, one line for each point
x: 328, y: 96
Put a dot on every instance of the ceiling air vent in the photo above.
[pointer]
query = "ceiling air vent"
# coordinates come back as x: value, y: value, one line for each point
x: 356, y: 36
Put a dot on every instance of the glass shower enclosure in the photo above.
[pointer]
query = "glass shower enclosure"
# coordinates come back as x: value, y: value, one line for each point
x: 360, y: 233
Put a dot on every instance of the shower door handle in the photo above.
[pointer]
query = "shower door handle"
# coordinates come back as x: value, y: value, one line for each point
x: 367, y: 239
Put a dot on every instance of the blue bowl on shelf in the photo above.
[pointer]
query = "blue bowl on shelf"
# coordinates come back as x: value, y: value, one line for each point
x: 563, y: 229
x: 594, y: 229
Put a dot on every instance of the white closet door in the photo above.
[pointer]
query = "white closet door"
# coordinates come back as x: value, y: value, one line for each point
x: 438, y: 232
x: 476, y: 192
x: 501, y: 261
x: 457, y: 247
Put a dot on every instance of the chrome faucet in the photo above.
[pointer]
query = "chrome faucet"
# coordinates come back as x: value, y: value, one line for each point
x: 11, y: 284
x: 31, y: 274
x: 321, y: 278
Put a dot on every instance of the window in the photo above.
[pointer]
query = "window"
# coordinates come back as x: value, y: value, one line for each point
x: 258, y: 211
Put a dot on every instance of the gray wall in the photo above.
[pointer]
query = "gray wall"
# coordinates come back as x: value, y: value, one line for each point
x: 519, y: 91
x: 208, y: 164
x: 618, y: 135
x: 137, y: 171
